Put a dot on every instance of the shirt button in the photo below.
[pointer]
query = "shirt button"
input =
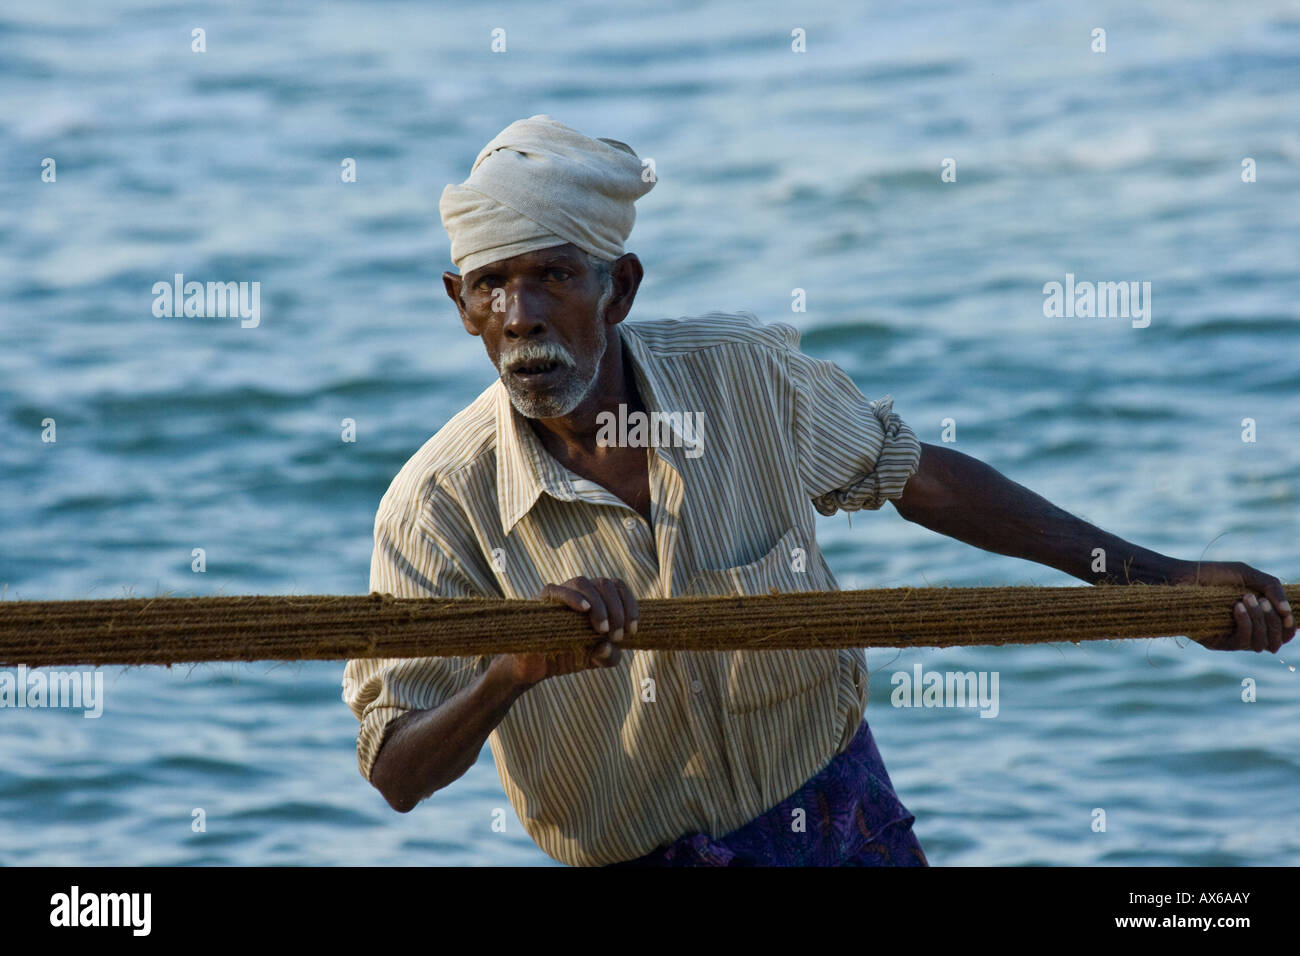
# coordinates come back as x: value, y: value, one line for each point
x: 696, y: 687
x: 629, y: 523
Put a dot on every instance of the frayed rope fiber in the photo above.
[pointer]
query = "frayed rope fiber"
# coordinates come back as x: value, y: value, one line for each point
x: 172, y: 630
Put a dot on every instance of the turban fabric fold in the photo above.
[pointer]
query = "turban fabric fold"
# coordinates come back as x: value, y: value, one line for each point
x: 537, y: 184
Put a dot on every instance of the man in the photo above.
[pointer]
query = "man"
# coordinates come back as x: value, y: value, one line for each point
x: 545, y: 487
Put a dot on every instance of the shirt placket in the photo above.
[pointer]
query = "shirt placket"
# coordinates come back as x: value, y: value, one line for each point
x: 667, y: 491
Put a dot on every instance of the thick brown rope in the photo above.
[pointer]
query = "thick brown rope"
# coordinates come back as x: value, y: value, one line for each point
x: 285, y: 628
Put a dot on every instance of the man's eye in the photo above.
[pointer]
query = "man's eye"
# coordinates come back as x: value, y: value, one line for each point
x: 485, y: 282
x: 558, y: 273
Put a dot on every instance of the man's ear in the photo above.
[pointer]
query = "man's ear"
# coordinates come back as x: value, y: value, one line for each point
x: 452, y: 283
x: 627, y: 274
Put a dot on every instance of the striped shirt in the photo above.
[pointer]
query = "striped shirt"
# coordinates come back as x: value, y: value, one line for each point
x: 606, y: 765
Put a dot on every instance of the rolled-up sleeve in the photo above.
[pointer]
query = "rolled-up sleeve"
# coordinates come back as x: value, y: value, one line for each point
x: 854, y: 454
x: 408, y: 561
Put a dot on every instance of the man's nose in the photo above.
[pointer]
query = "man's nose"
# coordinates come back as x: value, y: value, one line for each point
x: 525, y: 316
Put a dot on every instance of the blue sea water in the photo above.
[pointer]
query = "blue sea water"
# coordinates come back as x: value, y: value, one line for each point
x: 777, y: 171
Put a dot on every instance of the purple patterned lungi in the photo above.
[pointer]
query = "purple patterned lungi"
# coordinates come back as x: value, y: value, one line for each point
x: 852, y: 817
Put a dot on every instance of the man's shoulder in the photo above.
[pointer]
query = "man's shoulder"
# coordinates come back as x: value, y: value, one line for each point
x: 710, y: 331
x: 468, y: 440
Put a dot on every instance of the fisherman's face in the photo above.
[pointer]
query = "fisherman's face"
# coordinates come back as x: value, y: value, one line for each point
x: 542, y: 321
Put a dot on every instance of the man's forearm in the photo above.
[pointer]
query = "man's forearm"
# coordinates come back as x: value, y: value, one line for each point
x: 962, y: 497
x: 425, y: 750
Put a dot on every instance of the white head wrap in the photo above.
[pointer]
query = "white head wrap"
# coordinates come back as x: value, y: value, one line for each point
x: 538, y: 184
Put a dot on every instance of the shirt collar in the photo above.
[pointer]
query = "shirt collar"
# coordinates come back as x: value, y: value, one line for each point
x: 525, y: 468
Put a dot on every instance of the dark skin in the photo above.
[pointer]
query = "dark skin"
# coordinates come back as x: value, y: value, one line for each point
x: 551, y: 295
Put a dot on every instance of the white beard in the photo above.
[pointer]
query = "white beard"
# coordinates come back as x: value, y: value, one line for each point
x: 570, y: 390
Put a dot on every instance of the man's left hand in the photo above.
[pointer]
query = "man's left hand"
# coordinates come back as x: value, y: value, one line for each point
x: 1263, y: 617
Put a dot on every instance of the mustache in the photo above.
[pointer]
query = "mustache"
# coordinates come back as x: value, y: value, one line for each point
x: 533, y: 352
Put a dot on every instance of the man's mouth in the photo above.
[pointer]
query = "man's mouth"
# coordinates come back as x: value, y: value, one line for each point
x: 535, y: 371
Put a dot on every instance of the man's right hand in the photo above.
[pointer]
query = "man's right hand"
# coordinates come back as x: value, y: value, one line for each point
x: 610, y: 607
x: 425, y: 750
